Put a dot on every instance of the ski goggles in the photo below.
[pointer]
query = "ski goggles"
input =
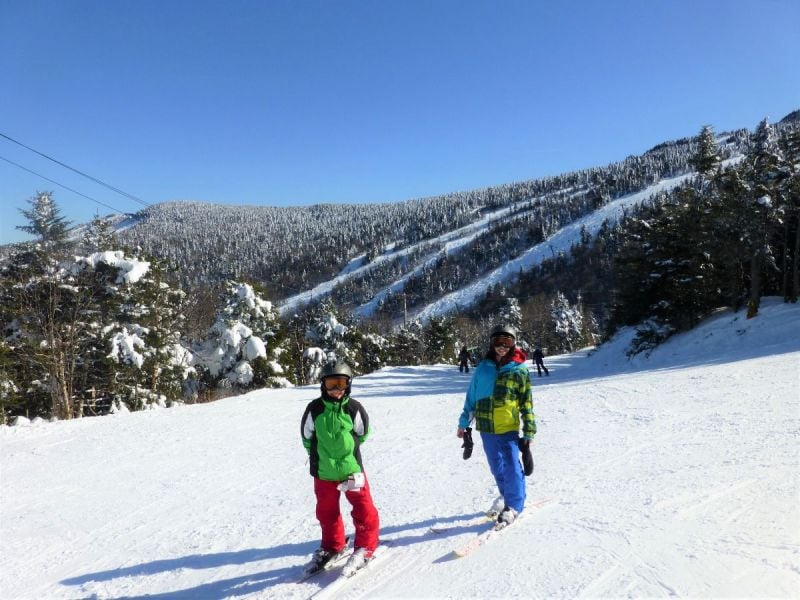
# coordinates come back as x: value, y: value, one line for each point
x: 504, y: 341
x: 337, y: 382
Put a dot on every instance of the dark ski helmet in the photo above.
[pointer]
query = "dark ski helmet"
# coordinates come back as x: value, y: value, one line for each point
x: 504, y: 330
x: 336, y: 368
x: 333, y: 369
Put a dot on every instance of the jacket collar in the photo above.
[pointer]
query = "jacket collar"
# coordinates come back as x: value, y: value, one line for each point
x: 515, y: 356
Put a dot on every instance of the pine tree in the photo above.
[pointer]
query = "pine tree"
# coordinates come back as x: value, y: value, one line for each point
x: 764, y: 170
x: 439, y: 340
x: 46, y: 224
x: 590, y: 330
x: 372, y: 349
x: 45, y: 310
x: 511, y: 314
x: 99, y: 236
x: 731, y: 226
x: 328, y: 331
x: 408, y: 346
x: 790, y: 192
x: 637, y: 282
x: 567, y: 320
x: 706, y: 159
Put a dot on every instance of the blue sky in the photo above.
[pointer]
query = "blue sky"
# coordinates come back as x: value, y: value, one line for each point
x: 301, y: 102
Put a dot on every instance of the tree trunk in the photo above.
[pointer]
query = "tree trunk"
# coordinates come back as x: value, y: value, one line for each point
x: 755, y: 283
x: 796, y: 263
x: 785, y: 261
x: 61, y: 401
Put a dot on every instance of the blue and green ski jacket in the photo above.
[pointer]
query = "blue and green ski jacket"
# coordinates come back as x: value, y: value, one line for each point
x: 499, y: 397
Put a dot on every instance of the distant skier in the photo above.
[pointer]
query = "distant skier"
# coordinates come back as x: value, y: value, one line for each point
x: 333, y: 428
x: 538, y: 359
x: 498, y: 399
x: 463, y: 360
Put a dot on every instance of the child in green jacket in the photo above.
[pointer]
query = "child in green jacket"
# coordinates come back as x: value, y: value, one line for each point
x: 333, y: 428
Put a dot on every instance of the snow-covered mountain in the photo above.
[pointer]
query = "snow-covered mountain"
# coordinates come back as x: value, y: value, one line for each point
x: 674, y: 474
x: 366, y: 257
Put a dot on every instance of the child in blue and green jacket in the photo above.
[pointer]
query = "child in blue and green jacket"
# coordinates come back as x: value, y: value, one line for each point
x: 498, y: 400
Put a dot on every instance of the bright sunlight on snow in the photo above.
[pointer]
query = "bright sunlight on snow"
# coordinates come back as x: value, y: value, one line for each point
x: 674, y: 474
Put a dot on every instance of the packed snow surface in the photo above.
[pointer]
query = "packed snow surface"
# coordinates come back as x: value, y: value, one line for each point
x: 674, y: 474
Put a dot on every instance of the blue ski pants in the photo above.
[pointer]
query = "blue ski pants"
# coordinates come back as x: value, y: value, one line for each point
x: 502, y: 452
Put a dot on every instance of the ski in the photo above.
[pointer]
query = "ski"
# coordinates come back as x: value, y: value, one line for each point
x: 310, y: 571
x: 332, y: 589
x: 483, y: 537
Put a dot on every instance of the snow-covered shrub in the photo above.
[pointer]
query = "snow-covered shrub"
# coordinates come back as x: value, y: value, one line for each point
x: 649, y: 334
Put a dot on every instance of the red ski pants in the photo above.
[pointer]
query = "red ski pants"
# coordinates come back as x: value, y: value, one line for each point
x: 364, y: 513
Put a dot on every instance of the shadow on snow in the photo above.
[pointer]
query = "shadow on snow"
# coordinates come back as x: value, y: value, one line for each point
x: 255, y: 582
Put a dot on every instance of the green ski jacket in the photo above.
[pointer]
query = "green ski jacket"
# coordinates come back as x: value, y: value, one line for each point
x: 332, y: 433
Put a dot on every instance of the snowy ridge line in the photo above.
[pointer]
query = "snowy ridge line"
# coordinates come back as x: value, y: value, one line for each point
x: 450, y: 241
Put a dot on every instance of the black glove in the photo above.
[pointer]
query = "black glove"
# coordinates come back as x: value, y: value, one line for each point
x: 468, y: 443
x: 527, y: 456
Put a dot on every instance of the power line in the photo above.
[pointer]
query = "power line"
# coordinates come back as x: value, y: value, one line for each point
x: 66, y: 166
x: 61, y: 185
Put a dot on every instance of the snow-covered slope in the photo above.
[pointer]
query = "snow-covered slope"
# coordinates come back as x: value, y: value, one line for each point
x: 555, y: 244
x: 675, y: 474
x: 448, y: 241
x: 453, y: 241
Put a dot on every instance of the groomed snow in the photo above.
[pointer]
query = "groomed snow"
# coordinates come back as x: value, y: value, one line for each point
x: 675, y: 474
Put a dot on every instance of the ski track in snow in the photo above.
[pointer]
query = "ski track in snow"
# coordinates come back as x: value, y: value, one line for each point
x: 676, y: 475
x: 356, y: 267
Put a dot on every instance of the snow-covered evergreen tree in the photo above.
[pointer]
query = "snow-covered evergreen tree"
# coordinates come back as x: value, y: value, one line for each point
x: 590, y: 333
x: 371, y: 349
x: 43, y: 312
x: 707, y: 158
x: 141, y: 342
x: 46, y: 224
x: 99, y: 236
x: 244, y: 346
x: 408, y: 345
x: 567, y: 320
x: 765, y: 170
x: 328, y: 339
x: 439, y: 340
x: 790, y: 191
x: 511, y: 314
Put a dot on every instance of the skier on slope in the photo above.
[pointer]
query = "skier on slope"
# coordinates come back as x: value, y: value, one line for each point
x: 463, y: 360
x: 333, y: 428
x: 538, y: 359
x: 498, y: 398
